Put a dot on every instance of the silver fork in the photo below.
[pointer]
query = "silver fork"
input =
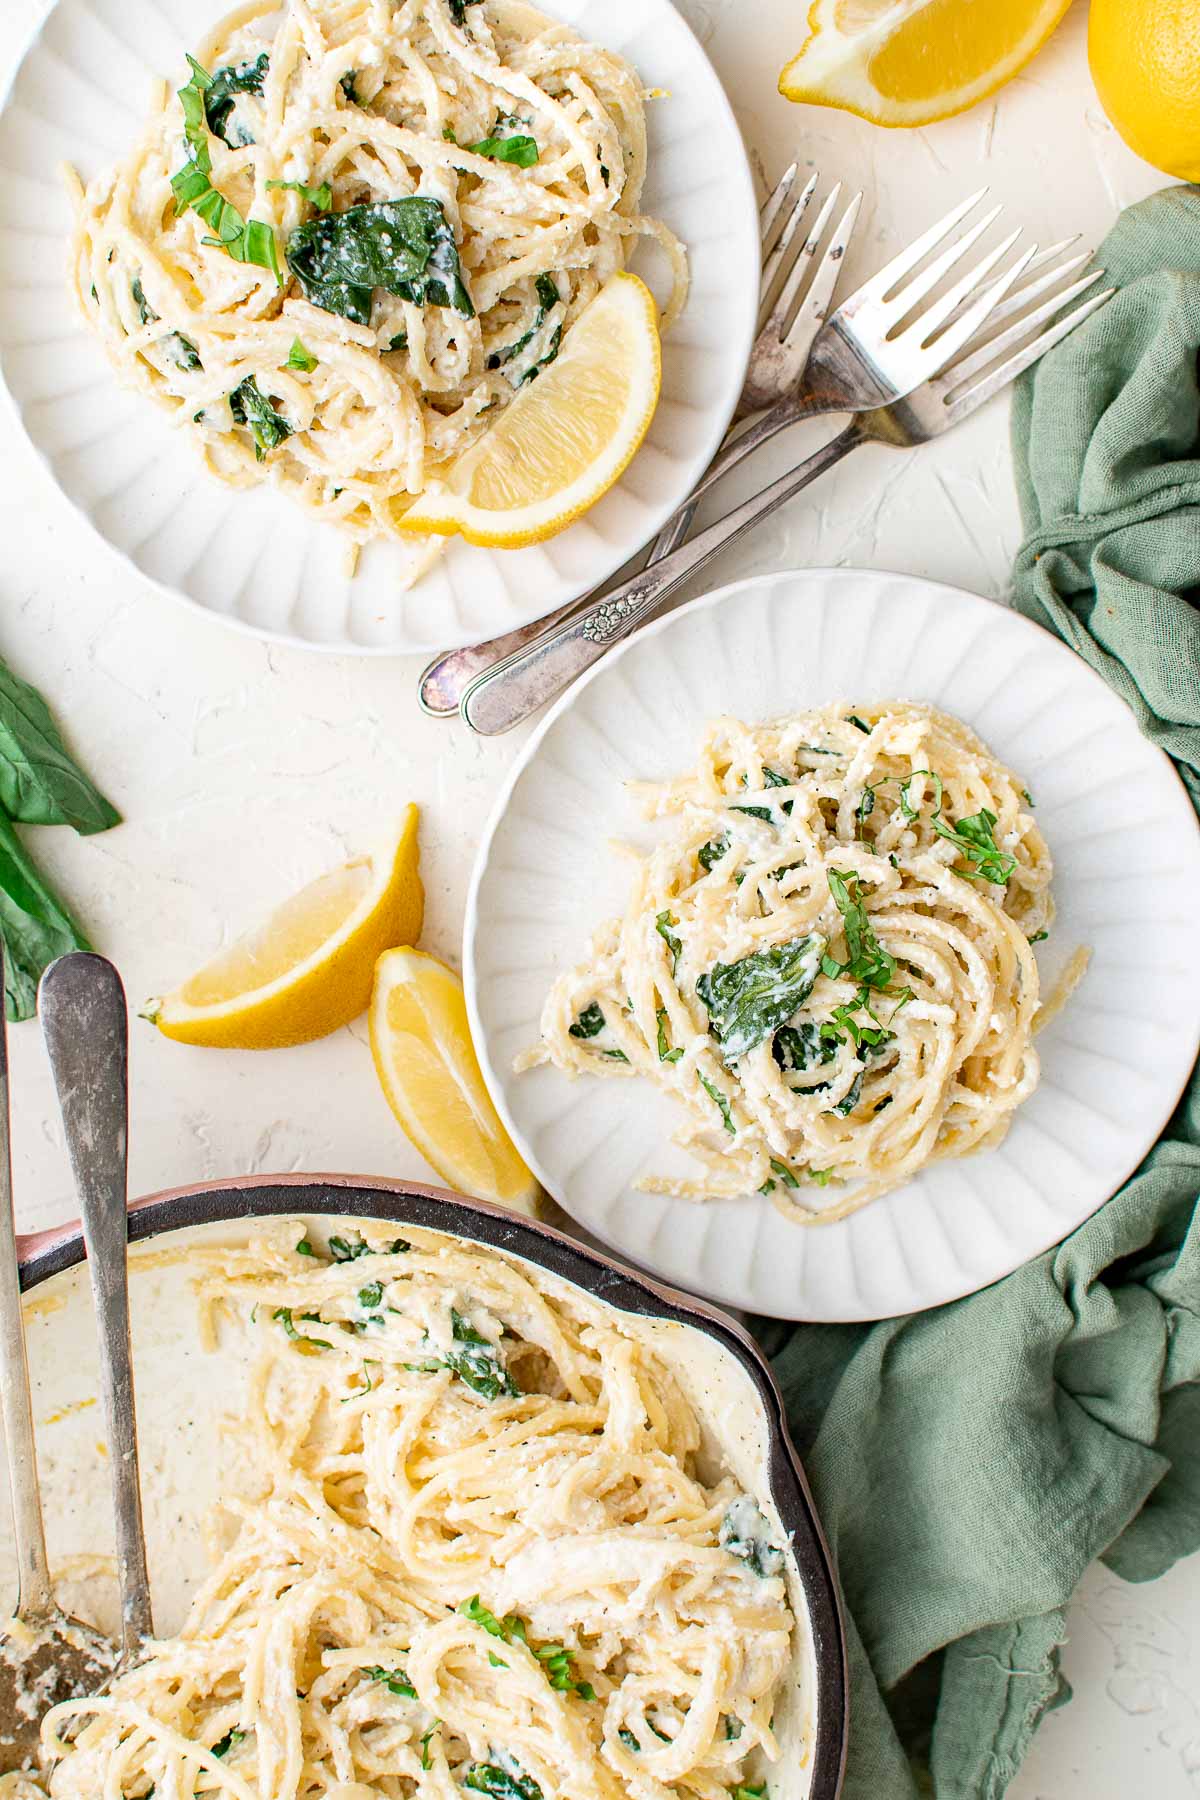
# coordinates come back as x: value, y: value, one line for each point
x: 501, y: 697
x: 788, y: 321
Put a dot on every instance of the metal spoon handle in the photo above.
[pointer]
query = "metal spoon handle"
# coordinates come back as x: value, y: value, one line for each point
x: 86, y: 1027
x: 36, y: 1602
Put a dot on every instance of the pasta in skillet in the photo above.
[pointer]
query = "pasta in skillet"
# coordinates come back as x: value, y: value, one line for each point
x: 827, y: 960
x: 358, y: 231
x: 479, y: 1558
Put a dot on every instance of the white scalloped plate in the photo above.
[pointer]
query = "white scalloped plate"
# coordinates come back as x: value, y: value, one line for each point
x: 1127, y: 855
x: 254, y: 559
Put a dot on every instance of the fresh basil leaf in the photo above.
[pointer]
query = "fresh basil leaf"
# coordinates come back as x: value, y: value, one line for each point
x: 404, y: 246
x: 867, y: 960
x: 229, y: 1742
x: 789, y: 1180
x: 590, y: 1023
x: 458, y: 10
x: 246, y: 241
x: 508, y: 147
x: 662, y: 925
x: 906, y: 806
x: 721, y: 1102
x: 219, y: 97
x: 974, y: 837
x: 346, y: 83
x: 34, y: 924
x: 394, y: 1680
x: 40, y: 782
x: 283, y: 1316
x: 477, y: 1362
x: 1038, y: 937
x: 179, y: 349
x: 748, y: 1000
x: 399, y: 341
x: 511, y: 1783
x: 251, y: 407
x: 348, y: 1249
x: 853, y: 719
x: 712, y: 852
x: 146, y: 312
x: 300, y: 358
x: 771, y: 778
x: 665, y: 1053
x: 320, y: 197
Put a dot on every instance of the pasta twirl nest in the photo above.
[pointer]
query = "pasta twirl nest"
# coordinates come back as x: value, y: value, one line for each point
x: 480, y: 1550
x: 827, y: 960
x: 357, y: 231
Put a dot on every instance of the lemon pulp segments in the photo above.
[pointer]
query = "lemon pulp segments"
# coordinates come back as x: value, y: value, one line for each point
x: 908, y: 62
x: 309, y: 968
x: 421, y: 1042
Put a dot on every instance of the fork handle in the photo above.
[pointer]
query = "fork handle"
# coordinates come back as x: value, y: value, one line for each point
x: 445, y: 680
x: 513, y: 689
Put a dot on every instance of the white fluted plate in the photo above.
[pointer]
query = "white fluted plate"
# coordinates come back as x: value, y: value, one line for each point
x: 253, y: 558
x: 1127, y: 871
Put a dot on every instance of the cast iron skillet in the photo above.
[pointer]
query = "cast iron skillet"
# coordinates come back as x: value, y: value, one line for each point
x: 266, y: 1196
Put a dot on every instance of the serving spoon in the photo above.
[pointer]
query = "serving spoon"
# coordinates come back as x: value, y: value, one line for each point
x: 45, y: 1654
x: 85, y: 1023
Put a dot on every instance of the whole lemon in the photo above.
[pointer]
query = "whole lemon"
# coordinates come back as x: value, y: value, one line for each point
x: 1145, y: 57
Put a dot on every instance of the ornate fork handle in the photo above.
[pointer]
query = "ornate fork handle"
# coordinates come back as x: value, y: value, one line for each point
x: 508, y: 692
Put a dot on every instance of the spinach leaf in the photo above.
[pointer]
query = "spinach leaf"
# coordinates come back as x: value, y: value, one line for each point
x: 219, y: 97
x: 251, y: 407
x: 394, y: 1680
x: 851, y: 1098
x: 712, y: 852
x: 803, y: 1046
x: 511, y: 1783
x: 179, y: 349
x: 40, y: 783
x: 399, y: 341
x: 665, y: 1053
x: 721, y: 1102
x: 248, y: 241
x: 771, y: 778
x: 867, y: 960
x: 973, y: 836
x: 748, y: 1000
x: 745, y: 1534
x: 300, y: 358
x: 548, y: 297
x: 590, y: 1023
x: 34, y: 925
x: 404, y: 246
x: 320, y: 197
x: 662, y: 925
x: 477, y: 1362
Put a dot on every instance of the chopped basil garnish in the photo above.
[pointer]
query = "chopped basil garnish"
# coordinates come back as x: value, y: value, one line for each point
x: 394, y: 1680
x: 746, y: 1535
x: 219, y: 97
x: 590, y: 1023
x: 867, y: 961
x: 721, y: 1102
x: 662, y: 925
x: 320, y: 197
x: 513, y: 355
x: 300, y: 358
x: 248, y: 241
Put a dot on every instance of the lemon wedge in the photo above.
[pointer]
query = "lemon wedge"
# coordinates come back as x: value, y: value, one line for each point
x: 908, y: 62
x: 310, y: 967
x: 565, y: 438
x: 421, y: 1043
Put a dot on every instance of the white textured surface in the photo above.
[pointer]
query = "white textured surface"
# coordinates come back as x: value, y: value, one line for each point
x: 79, y: 97
x: 243, y: 768
x: 1112, y: 1063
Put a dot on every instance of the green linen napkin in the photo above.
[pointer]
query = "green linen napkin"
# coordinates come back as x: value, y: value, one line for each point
x: 970, y: 1462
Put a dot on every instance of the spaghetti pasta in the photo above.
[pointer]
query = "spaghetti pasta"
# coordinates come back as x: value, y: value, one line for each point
x: 477, y: 1554
x: 357, y: 231
x: 827, y: 960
